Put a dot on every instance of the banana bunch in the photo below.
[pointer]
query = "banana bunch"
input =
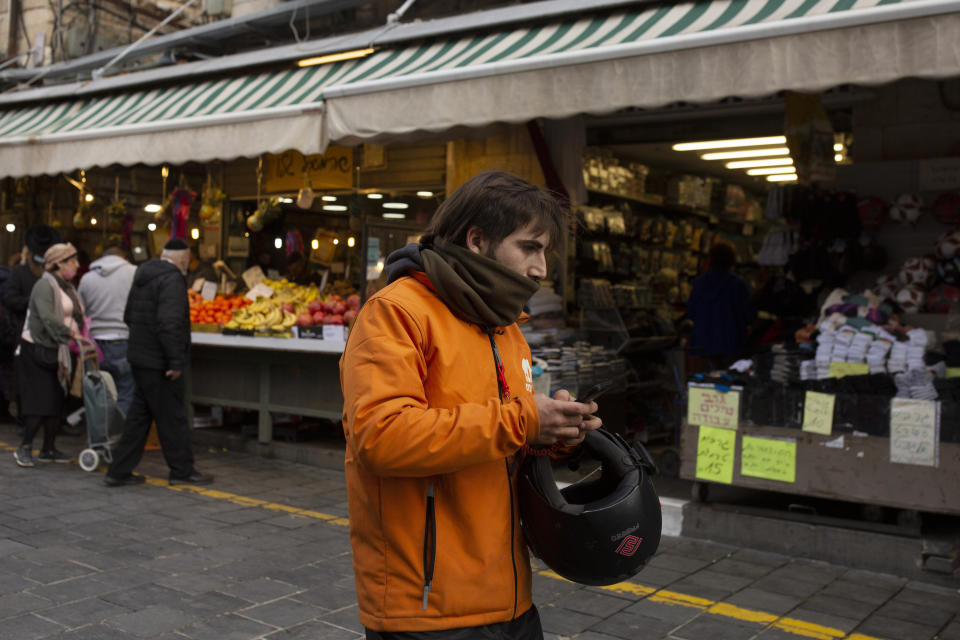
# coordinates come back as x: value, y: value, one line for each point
x: 267, y: 317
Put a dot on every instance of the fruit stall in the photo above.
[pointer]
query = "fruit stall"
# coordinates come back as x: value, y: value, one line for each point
x: 275, y: 349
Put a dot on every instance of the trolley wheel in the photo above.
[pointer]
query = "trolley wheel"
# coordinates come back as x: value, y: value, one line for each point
x: 88, y: 459
x: 700, y: 492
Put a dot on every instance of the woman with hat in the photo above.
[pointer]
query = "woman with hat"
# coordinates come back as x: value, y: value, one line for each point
x: 54, y: 316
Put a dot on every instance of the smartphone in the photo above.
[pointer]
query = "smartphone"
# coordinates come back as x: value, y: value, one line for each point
x: 595, y: 391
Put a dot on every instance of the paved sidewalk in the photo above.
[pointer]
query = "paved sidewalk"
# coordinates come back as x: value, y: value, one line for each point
x: 264, y: 553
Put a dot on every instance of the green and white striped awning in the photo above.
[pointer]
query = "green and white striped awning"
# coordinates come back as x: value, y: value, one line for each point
x: 645, y: 57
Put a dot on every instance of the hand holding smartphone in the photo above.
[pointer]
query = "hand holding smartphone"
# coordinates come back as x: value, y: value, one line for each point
x: 595, y: 391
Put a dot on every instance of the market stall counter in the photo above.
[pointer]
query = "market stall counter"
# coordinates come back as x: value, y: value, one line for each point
x: 285, y: 375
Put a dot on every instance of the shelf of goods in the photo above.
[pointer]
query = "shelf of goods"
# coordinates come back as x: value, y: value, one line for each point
x: 909, y: 462
x: 284, y: 375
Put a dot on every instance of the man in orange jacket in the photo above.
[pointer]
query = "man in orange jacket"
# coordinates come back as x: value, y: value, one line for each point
x: 438, y: 409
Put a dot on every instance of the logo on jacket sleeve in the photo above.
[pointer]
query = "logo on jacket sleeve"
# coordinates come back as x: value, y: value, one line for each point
x: 528, y: 374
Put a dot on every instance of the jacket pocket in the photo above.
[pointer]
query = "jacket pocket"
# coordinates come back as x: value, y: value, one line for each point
x: 429, y: 545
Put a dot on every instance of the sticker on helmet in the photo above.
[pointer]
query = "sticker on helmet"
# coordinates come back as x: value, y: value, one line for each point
x: 629, y: 546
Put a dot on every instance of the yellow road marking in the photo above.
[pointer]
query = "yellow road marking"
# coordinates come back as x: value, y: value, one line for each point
x: 789, y: 625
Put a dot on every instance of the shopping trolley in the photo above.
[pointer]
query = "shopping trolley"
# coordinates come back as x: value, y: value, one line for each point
x: 103, y: 416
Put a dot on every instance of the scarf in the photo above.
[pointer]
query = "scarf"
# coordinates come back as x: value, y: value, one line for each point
x: 477, y: 289
x: 64, y: 364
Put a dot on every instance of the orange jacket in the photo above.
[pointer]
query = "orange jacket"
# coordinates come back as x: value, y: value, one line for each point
x: 430, y: 464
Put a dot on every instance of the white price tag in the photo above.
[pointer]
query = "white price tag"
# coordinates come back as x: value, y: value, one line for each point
x: 209, y: 290
x: 333, y: 332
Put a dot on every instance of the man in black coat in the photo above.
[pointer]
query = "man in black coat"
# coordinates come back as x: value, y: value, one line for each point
x: 158, y: 315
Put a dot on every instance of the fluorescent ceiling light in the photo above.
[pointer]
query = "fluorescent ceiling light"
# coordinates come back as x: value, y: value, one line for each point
x: 749, y: 153
x: 394, y: 215
x: 375, y: 196
x: 395, y: 205
x: 152, y: 208
x: 771, y: 162
x: 329, y: 198
x: 782, y: 177
x: 425, y: 194
x: 766, y: 171
x: 335, y: 57
x: 728, y: 144
x: 285, y: 200
x: 334, y: 207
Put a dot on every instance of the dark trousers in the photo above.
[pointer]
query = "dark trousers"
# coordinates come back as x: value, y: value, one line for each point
x: 163, y: 400
x: 524, y: 627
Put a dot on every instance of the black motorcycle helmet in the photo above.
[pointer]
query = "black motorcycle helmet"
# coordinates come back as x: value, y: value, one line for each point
x: 597, y: 532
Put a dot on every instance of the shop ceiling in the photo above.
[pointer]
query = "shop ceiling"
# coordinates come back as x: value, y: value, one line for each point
x: 643, y: 56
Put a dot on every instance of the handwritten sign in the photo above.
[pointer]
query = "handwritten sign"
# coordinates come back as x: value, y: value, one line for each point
x: 818, y: 412
x: 713, y: 408
x: 914, y: 431
x: 843, y: 369
x: 769, y: 458
x: 333, y: 169
x: 715, y: 450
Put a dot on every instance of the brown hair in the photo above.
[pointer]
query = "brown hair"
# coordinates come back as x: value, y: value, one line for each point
x: 498, y: 203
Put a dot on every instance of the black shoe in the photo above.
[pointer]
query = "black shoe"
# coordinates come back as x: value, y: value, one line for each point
x: 24, y: 456
x: 131, y: 479
x: 195, y: 478
x: 54, y: 456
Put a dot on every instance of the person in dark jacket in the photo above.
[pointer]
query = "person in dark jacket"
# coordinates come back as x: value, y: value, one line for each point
x: 16, y: 296
x: 157, y: 313
x: 719, y: 306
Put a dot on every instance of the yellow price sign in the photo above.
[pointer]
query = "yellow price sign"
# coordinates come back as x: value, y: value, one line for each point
x: 716, y: 448
x: 713, y: 408
x: 843, y: 369
x: 818, y: 412
x: 769, y: 458
x: 953, y: 372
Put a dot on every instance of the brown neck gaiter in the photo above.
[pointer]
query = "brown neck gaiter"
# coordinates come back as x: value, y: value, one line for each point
x: 476, y: 288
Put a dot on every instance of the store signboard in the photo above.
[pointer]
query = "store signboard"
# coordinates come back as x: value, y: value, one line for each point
x: 716, y: 448
x: 713, y: 407
x: 291, y: 170
x: 940, y: 174
x: 914, y: 431
x: 818, y: 412
x: 769, y: 458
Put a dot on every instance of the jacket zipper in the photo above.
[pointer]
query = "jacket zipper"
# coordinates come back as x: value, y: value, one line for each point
x: 503, y: 391
x: 513, y: 527
x: 429, y: 546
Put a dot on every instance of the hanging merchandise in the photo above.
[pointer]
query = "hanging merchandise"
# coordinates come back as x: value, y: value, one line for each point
x: 294, y: 242
x: 267, y: 211
x: 919, y: 272
x: 162, y: 217
x: 948, y: 246
x: 82, y: 215
x: 810, y: 138
x: 907, y: 208
x: 213, y: 198
x: 305, y: 195
x: 180, y: 201
x: 778, y: 244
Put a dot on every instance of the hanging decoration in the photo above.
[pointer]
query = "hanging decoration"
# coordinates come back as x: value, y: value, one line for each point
x: 82, y: 214
x: 213, y: 199
x: 267, y: 209
x: 294, y: 242
x: 180, y: 200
